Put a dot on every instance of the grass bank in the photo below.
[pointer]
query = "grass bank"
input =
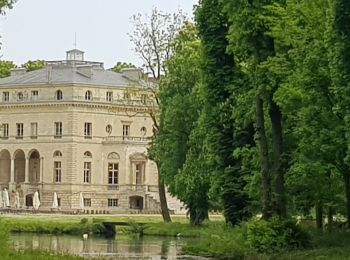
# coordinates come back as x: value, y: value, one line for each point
x: 7, y: 253
x: 231, y: 243
x: 53, y: 227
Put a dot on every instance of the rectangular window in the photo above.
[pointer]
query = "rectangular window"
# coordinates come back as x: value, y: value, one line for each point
x: 5, y: 130
x: 109, y: 96
x: 34, y: 94
x: 58, y: 129
x: 138, y: 173
x: 87, y: 202
x: 19, y: 128
x: 113, y: 173
x: 143, y: 98
x: 6, y: 96
x: 59, y: 202
x: 87, y: 172
x: 57, y: 172
x: 33, y: 130
x: 127, y: 95
x: 88, y: 130
x: 112, y: 202
x: 126, y: 130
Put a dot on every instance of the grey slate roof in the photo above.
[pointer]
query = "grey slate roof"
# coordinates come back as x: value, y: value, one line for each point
x: 63, y: 74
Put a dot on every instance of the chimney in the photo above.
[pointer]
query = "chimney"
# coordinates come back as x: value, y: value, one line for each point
x: 49, y: 73
x: 134, y: 74
x: 85, y: 70
x: 18, y: 71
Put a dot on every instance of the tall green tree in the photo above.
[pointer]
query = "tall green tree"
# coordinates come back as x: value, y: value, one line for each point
x: 34, y: 65
x: 221, y: 77
x: 314, y: 130
x: 122, y: 65
x: 252, y: 47
x: 178, y: 141
x: 339, y: 54
x: 5, y: 68
x: 152, y: 38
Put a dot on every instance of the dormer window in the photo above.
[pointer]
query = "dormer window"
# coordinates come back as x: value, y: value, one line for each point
x: 6, y: 96
x: 88, y: 95
x: 20, y: 96
x: 109, y: 96
x: 59, y: 95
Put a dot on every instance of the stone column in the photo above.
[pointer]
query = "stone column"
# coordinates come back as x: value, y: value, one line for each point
x: 26, y: 171
x: 12, y: 170
x: 41, y: 167
x: 144, y: 181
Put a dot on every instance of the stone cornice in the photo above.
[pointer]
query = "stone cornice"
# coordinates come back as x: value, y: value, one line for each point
x: 106, y: 106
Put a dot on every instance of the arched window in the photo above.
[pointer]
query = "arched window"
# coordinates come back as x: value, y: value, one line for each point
x: 88, y: 95
x: 57, y: 154
x: 88, y: 154
x: 59, y: 95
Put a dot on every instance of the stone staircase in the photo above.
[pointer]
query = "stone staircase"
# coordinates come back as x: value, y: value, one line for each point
x: 174, y: 204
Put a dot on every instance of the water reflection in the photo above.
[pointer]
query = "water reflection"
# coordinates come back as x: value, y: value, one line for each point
x: 122, y: 247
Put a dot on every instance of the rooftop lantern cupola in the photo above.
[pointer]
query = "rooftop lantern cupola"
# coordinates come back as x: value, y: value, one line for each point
x: 75, y: 55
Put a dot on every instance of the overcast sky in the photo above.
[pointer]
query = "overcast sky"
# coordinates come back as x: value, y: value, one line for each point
x: 45, y: 29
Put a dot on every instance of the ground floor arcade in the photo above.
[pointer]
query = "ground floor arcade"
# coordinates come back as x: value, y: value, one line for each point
x: 23, y: 172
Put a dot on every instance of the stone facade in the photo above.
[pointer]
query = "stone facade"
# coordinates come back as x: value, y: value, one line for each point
x: 74, y: 128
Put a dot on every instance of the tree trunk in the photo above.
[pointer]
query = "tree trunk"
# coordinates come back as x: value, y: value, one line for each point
x: 319, y: 216
x: 346, y: 178
x: 264, y: 159
x: 279, y: 197
x: 330, y: 218
x: 162, y: 198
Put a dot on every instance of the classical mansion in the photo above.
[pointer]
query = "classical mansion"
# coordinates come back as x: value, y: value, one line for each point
x: 79, y: 130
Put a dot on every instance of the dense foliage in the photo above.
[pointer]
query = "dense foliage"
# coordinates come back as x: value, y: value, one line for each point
x: 255, y: 110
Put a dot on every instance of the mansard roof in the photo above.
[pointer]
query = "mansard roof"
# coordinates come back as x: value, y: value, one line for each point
x: 66, y: 72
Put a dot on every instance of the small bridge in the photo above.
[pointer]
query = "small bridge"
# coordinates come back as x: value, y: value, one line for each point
x: 111, y: 226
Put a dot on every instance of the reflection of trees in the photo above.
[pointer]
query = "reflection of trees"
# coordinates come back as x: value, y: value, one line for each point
x: 125, y: 246
x: 164, y: 249
x: 136, y: 245
x: 112, y: 246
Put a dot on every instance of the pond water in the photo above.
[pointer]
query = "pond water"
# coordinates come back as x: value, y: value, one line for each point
x: 120, y: 247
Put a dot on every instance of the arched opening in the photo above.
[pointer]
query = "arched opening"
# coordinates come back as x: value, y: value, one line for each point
x: 5, y: 166
x: 57, y: 154
x: 20, y: 164
x: 34, y: 166
x: 136, y: 202
x: 59, y: 95
x: 88, y: 95
x: 29, y: 200
x: 113, y: 156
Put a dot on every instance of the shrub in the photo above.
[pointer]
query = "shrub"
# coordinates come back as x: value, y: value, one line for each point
x: 84, y: 221
x: 4, y: 250
x: 98, y: 228
x: 275, y: 235
x: 136, y: 228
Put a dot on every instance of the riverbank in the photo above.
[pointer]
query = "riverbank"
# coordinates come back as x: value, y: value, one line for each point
x: 216, y: 239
